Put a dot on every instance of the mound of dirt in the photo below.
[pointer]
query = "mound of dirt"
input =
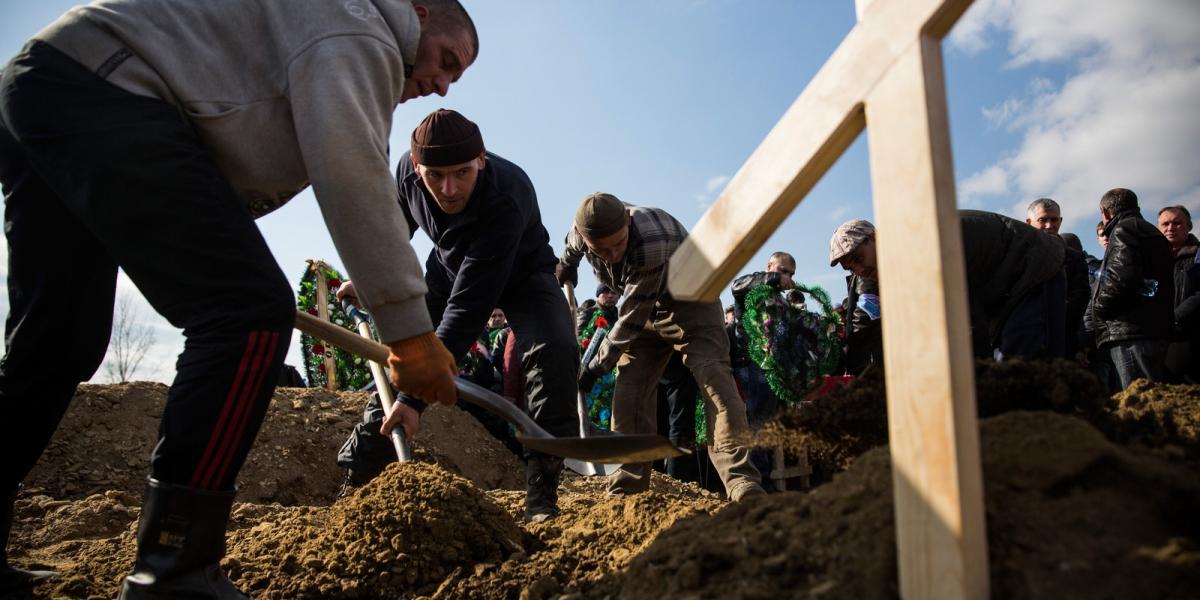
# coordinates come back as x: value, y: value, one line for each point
x: 837, y: 428
x: 1158, y: 415
x: 404, y: 531
x: 105, y: 440
x: 595, y: 535
x: 416, y: 531
x: 1070, y: 515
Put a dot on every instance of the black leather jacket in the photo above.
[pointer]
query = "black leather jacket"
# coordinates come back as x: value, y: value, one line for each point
x: 1187, y: 288
x: 1138, y: 258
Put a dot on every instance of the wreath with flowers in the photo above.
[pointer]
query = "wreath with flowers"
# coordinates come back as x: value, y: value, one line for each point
x: 477, y: 358
x: 792, y: 345
x: 599, y: 399
x: 353, y: 372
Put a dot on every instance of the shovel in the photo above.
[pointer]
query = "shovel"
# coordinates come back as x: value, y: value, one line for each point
x: 619, y: 449
x: 399, y: 439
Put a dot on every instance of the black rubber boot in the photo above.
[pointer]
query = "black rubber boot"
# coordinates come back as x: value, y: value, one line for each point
x: 541, y: 487
x: 13, y: 579
x: 181, y: 539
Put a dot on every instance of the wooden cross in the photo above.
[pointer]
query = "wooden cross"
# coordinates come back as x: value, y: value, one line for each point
x: 887, y: 73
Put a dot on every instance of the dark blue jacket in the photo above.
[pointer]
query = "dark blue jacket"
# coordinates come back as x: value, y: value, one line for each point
x: 482, y: 253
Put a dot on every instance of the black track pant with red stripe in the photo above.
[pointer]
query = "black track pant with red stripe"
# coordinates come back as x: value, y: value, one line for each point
x: 95, y: 178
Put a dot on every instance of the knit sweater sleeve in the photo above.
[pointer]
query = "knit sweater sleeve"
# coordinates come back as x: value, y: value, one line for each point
x: 342, y: 91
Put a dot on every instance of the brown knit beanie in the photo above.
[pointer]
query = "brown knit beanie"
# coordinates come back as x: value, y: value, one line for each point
x: 446, y: 138
x: 600, y: 215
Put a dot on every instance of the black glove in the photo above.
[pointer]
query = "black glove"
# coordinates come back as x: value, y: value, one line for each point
x: 564, y: 274
x: 587, y: 379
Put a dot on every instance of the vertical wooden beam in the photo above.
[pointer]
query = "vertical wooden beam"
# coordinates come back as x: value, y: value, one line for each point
x: 941, y: 538
x: 323, y: 312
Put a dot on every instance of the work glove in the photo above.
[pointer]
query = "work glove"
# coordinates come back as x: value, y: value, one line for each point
x: 423, y: 367
x: 587, y: 378
x: 564, y: 274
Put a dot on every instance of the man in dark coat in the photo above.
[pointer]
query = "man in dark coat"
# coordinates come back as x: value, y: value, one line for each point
x: 606, y: 300
x: 490, y: 250
x: 761, y: 401
x: 1183, y: 355
x: 1015, y: 282
x: 861, y: 325
x: 1133, y: 301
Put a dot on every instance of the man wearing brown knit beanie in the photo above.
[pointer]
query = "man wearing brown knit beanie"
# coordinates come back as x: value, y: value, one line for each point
x: 629, y: 248
x: 490, y: 250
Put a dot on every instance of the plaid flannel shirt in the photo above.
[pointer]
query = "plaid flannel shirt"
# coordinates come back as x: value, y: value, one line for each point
x: 640, y: 277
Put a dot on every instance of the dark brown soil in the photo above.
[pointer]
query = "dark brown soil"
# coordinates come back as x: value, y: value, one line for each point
x: 1070, y: 515
x: 1074, y: 510
x: 838, y: 427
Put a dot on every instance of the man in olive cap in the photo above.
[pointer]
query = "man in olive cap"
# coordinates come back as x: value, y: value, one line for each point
x: 147, y: 136
x: 490, y: 251
x: 1016, y: 283
x: 629, y: 248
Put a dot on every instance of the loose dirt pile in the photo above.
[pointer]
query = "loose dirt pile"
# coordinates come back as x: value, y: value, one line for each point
x: 406, y: 530
x: 417, y: 530
x: 594, y: 536
x: 1099, y: 500
x: 1070, y: 515
x: 105, y: 440
x: 837, y: 428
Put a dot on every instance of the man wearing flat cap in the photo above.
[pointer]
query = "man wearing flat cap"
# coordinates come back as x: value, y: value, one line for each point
x: 490, y: 250
x: 629, y: 248
x: 1016, y: 284
x: 861, y: 327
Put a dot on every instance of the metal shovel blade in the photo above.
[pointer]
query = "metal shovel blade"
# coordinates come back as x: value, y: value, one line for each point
x: 616, y: 448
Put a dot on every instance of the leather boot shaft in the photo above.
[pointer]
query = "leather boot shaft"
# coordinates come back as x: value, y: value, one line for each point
x: 541, y: 487
x: 181, y: 540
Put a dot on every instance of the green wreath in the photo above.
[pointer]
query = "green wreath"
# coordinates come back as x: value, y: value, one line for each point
x: 353, y: 372
x: 793, y: 347
x: 599, y: 399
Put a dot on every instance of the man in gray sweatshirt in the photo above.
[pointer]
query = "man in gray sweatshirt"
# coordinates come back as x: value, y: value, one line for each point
x: 148, y: 135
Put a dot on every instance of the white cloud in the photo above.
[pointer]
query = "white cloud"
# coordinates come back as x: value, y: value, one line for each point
x: 970, y: 34
x: 716, y: 183
x: 1003, y: 113
x: 988, y: 182
x: 712, y: 187
x: 1124, y: 117
x: 837, y: 213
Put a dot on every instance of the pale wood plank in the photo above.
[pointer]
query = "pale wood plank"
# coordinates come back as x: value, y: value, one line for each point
x: 797, y: 152
x: 940, y: 532
x: 323, y: 312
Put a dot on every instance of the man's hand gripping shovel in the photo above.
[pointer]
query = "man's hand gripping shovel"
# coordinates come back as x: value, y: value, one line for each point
x: 619, y: 449
x: 382, y: 387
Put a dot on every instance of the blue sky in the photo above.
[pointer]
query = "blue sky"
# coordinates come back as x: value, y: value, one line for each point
x: 661, y: 102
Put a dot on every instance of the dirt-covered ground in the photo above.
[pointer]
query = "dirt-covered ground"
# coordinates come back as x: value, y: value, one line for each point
x: 1087, y: 497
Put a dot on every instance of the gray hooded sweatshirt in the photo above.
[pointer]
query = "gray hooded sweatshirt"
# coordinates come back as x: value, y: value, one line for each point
x: 284, y: 94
